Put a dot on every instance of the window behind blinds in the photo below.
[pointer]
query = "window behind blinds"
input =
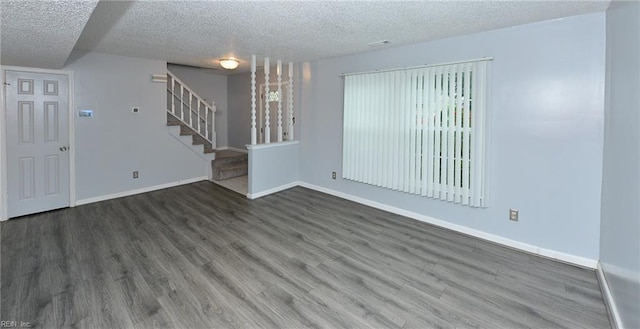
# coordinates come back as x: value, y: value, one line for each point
x: 419, y: 131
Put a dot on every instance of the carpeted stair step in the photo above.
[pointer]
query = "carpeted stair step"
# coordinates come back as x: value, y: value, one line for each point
x: 230, y: 171
x: 184, y: 130
x: 229, y: 164
x: 187, y: 131
x: 199, y: 140
x: 229, y: 158
x: 172, y: 120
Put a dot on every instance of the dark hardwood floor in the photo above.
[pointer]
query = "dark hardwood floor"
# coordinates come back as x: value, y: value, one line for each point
x: 200, y: 256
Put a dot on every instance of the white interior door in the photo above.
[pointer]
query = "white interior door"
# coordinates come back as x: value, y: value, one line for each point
x: 273, y: 111
x: 37, y: 142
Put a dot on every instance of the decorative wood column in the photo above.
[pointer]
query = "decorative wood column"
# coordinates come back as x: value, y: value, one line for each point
x: 267, y: 117
x: 253, y: 100
x: 290, y: 105
x: 279, y: 73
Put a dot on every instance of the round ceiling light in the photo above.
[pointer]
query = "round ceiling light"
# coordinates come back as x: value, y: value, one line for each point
x: 229, y: 63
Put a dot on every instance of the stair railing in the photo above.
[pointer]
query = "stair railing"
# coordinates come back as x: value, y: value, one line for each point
x: 194, y: 111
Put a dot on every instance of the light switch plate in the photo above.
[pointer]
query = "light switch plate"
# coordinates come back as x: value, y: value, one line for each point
x: 85, y: 113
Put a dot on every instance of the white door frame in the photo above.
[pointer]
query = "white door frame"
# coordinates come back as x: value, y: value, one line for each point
x: 3, y: 134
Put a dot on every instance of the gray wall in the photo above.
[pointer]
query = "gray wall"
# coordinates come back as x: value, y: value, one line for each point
x: 115, y: 141
x: 545, y: 121
x: 211, y: 86
x: 272, y: 167
x: 239, y: 122
x: 620, y: 223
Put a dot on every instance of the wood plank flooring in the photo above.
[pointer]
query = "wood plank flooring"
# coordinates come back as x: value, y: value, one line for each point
x: 201, y: 256
x: 238, y: 184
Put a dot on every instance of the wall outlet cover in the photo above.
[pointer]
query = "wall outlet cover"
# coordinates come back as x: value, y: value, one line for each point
x: 513, y: 215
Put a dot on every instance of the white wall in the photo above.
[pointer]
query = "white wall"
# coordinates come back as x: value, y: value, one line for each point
x: 115, y: 142
x: 546, y: 126
x: 212, y: 87
x: 620, y: 226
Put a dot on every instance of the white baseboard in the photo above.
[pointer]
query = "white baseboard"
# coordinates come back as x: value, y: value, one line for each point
x: 253, y: 196
x: 568, y: 258
x: 231, y: 148
x: 608, y: 298
x: 140, y: 190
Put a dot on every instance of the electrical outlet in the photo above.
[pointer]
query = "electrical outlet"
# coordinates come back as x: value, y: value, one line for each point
x: 135, y: 174
x: 513, y: 215
x: 135, y: 109
x: 333, y: 175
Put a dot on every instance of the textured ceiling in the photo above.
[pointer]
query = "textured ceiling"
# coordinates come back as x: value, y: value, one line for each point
x: 200, y: 32
x: 41, y: 33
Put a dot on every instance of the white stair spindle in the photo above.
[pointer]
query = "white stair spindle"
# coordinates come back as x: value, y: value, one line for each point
x: 213, y: 127
x: 190, y: 102
x: 173, y: 96
x: 253, y: 100
x: 206, y: 119
x: 279, y: 73
x: 290, y: 99
x: 267, y: 117
x: 181, y: 102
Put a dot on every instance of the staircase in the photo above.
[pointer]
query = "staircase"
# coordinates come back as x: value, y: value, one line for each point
x: 185, y: 130
x: 229, y: 164
x: 195, y: 117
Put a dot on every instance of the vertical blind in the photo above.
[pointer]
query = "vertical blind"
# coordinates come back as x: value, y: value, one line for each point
x: 419, y: 131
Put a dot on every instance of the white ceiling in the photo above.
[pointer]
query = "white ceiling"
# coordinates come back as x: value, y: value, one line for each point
x: 198, y: 33
x: 41, y: 33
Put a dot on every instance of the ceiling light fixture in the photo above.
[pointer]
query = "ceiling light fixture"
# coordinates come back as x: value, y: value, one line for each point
x: 229, y: 63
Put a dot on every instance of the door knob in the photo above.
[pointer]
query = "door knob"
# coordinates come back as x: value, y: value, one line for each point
x: 64, y: 148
